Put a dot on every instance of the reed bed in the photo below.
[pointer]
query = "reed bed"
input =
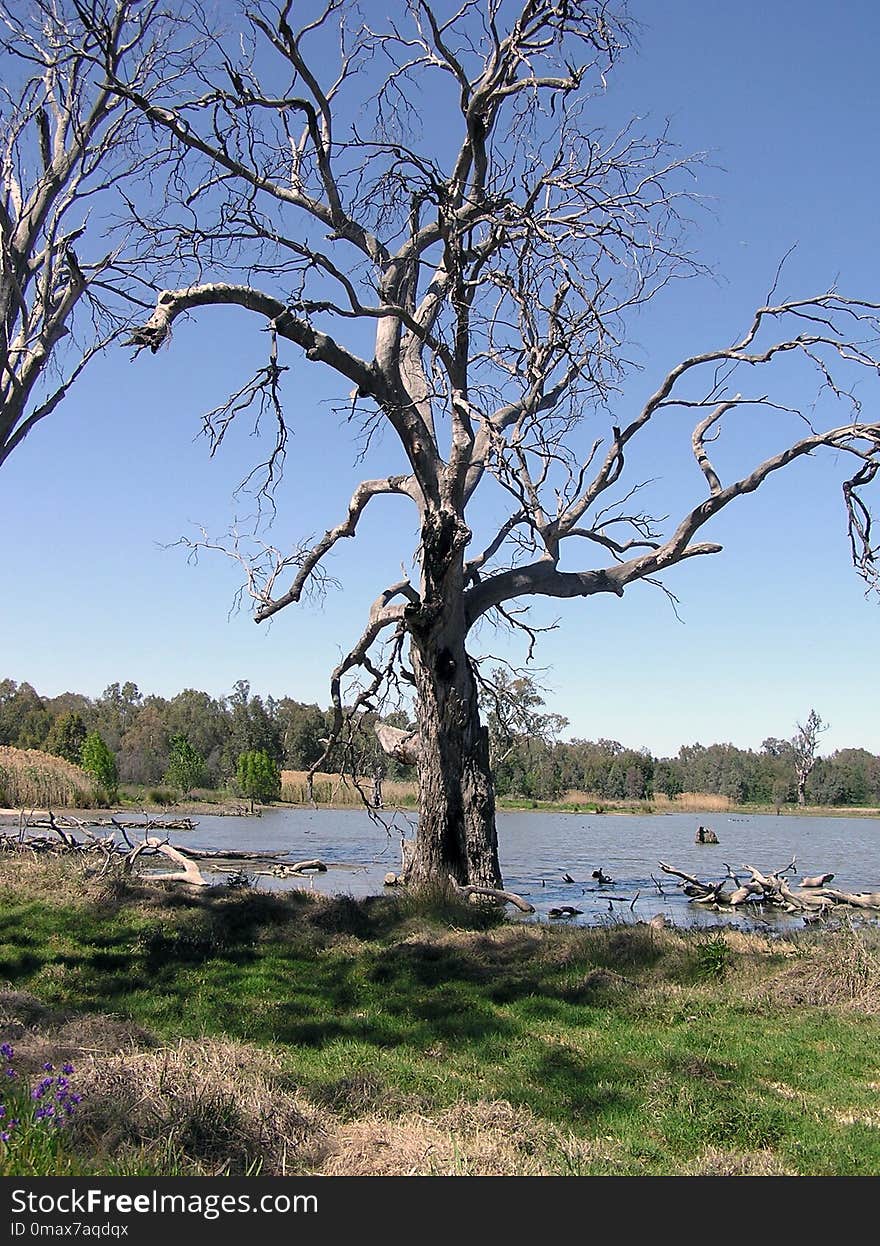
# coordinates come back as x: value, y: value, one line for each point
x: 30, y: 779
x: 705, y: 802
x: 336, y: 790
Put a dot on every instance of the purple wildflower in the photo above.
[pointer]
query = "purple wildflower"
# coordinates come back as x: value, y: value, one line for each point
x: 67, y: 1069
x: 6, y: 1050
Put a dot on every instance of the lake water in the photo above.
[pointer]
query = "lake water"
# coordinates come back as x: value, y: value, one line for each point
x: 536, y: 849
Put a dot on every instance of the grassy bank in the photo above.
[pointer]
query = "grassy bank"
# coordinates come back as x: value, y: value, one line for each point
x: 286, y: 1033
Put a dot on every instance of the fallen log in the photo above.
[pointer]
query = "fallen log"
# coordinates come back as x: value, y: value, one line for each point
x: 858, y: 900
x: 230, y: 854
x: 300, y: 867
x: 817, y: 880
x: 492, y: 893
x: 811, y: 900
x: 189, y: 874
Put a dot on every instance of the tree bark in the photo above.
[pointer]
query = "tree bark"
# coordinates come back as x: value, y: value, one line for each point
x: 456, y: 833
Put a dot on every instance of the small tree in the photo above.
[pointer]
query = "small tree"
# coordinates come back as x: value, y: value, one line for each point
x: 99, y: 762
x: 67, y: 737
x: 258, y: 777
x: 186, y: 768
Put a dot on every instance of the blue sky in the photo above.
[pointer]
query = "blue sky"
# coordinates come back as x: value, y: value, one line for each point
x: 785, y: 98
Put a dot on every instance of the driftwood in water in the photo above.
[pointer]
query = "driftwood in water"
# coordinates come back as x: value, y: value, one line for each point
x: 293, y: 869
x: 189, y: 874
x: 230, y: 854
x: 859, y: 900
x: 811, y: 900
x: 564, y: 910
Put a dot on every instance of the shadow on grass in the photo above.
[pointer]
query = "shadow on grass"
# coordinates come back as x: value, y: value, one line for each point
x: 304, y: 970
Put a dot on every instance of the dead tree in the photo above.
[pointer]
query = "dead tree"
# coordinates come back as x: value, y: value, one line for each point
x: 805, y: 747
x: 470, y: 293
x: 70, y: 153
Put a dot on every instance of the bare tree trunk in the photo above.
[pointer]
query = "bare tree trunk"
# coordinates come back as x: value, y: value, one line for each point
x: 456, y: 834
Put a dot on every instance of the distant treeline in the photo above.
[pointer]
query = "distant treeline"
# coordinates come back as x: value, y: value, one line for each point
x: 139, y: 730
x: 544, y: 771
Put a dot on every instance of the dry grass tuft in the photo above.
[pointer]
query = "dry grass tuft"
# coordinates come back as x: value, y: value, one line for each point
x: 214, y: 1106
x: 480, y: 1139
x: 219, y: 1106
x: 30, y: 779
x: 841, y: 970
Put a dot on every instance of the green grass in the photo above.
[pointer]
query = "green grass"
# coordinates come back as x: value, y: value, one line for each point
x: 628, y: 1050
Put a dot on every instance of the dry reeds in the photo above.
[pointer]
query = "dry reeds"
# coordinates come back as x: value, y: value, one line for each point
x: 30, y: 779
x: 339, y: 790
x: 706, y: 802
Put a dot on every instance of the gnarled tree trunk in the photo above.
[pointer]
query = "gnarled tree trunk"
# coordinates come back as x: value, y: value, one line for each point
x: 456, y: 834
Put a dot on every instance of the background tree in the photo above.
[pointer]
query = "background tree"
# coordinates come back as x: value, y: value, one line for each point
x: 70, y: 153
x: 205, y: 723
x: 99, y: 762
x: 258, y: 777
x: 67, y: 737
x: 142, y: 753
x: 469, y: 287
x: 24, y: 719
x: 251, y: 729
x: 804, y: 748
x: 186, y: 767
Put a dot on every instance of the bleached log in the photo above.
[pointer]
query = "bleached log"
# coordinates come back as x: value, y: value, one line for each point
x: 742, y: 893
x: 688, y: 878
x: 494, y: 893
x: 300, y: 867
x: 189, y: 874
x: 768, y: 882
x: 859, y: 900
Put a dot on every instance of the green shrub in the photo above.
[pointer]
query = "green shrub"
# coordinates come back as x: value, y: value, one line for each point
x: 99, y: 762
x: 258, y: 777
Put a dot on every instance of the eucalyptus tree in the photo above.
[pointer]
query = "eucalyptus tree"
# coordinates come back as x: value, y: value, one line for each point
x: 426, y: 205
x: 72, y: 152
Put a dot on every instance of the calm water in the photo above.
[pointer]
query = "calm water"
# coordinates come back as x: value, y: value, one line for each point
x: 536, y: 849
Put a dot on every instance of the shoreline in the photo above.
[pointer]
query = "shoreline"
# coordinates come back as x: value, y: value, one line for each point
x: 635, y: 809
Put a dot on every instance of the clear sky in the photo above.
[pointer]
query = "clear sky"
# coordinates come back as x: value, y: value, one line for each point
x: 786, y: 99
